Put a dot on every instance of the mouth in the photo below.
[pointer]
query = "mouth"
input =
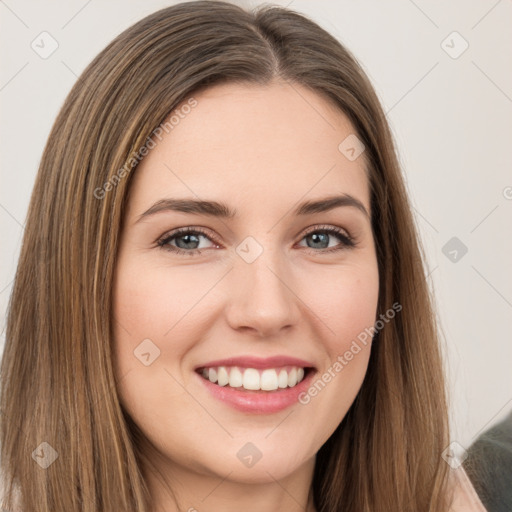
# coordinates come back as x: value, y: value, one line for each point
x: 256, y: 385
x: 247, y: 379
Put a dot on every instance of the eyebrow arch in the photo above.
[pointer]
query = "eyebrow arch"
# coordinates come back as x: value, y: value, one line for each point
x: 221, y: 210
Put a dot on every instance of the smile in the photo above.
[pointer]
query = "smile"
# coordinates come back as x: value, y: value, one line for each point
x: 256, y: 385
x: 254, y: 379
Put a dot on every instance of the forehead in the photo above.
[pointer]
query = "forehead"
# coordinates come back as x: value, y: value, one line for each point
x: 274, y: 143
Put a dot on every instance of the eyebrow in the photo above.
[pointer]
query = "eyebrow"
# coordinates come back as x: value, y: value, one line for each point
x: 221, y: 210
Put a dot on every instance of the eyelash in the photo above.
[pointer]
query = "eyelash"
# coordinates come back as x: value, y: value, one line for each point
x: 347, y: 242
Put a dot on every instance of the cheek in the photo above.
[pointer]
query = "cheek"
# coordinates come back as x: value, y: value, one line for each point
x: 152, y: 303
x: 357, y: 310
x: 148, y: 308
x: 345, y: 302
x: 145, y: 308
x: 346, y: 305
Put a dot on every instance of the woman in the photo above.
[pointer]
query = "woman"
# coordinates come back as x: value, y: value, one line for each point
x: 288, y: 358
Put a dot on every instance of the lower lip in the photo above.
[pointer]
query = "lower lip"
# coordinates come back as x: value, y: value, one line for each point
x: 261, y: 402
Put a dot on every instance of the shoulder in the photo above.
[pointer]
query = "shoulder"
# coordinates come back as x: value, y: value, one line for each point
x: 465, y: 498
x: 489, y: 465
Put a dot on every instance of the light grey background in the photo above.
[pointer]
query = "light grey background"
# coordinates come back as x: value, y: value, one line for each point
x: 451, y: 118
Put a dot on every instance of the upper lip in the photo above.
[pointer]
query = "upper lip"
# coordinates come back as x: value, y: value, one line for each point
x: 258, y: 362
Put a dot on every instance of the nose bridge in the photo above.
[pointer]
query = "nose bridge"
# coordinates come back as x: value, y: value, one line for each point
x: 261, y: 288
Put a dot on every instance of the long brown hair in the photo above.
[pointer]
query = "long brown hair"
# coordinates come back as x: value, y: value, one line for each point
x: 57, y: 380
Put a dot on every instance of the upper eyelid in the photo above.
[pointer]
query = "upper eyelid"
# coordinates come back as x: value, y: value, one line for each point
x: 320, y: 227
x: 185, y: 230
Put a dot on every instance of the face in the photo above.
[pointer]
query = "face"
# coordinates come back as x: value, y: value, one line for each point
x: 217, y: 317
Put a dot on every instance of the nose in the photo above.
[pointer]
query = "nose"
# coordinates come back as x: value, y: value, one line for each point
x: 262, y: 299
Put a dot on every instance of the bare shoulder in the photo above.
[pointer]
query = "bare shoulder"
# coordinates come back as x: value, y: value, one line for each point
x: 465, y: 498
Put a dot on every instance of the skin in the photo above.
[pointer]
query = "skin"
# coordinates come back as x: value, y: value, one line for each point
x: 261, y: 150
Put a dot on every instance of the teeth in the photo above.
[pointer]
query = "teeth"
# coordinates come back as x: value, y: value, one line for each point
x: 235, y: 378
x: 268, y: 380
x: 222, y: 376
x: 282, y: 380
x: 252, y: 379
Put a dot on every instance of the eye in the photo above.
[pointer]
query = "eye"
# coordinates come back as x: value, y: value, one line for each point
x: 320, y: 235
x: 187, y: 240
